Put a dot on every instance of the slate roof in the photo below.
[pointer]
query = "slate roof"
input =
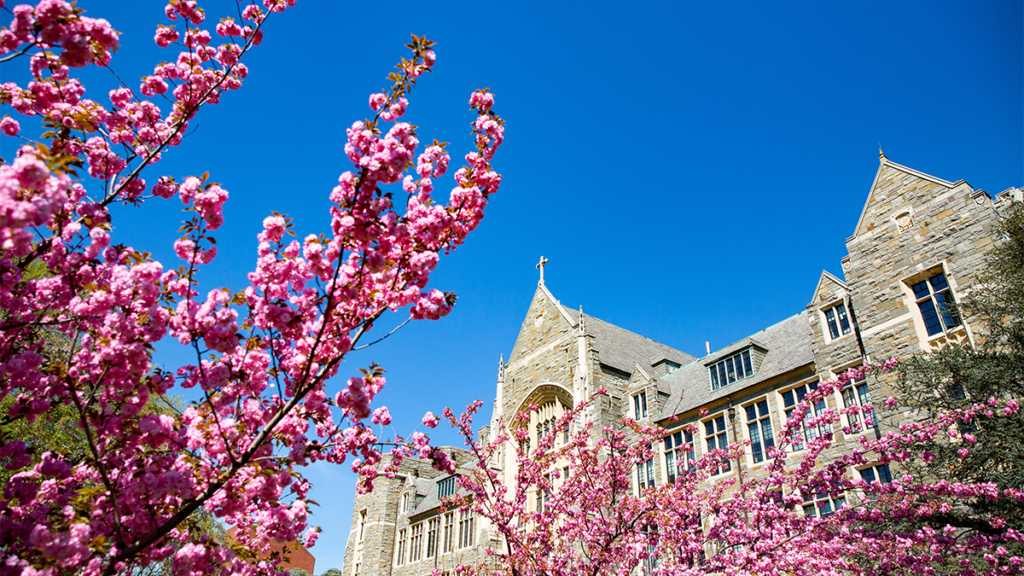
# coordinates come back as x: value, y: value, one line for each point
x: 621, y: 349
x: 789, y: 345
x: 429, y: 488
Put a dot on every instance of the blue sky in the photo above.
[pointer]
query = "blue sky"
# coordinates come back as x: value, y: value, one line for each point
x: 689, y: 169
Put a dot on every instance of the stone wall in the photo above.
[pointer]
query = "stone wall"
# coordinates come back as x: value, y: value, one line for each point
x: 914, y: 226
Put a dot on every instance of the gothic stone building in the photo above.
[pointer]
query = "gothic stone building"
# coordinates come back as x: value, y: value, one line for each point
x: 919, y: 245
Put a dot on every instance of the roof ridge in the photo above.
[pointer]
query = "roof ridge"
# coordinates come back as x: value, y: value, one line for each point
x: 617, y: 327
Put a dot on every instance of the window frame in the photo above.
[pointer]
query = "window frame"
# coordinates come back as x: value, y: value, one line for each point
x: 640, y: 409
x: 875, y: 475
x: 762, y: 426
x: 957, y: 333
x: 816, y: 410
x: 832, y: 503
x: 678, y: 451
x: 433, y: 531
x: 416, y: 542
x: 467, y: 521
x: 840, y: 324
x: 447, y: 487
x: 400, y: 548
x: 448, y: 544
x: 940, y: 301
x: 725, y: 466
x: 645, y: 475
x: 850, y: 394
x: 719, y: 373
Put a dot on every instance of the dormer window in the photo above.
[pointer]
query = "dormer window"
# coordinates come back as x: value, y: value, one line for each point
x: 731, y: 369
x: 446, y: 487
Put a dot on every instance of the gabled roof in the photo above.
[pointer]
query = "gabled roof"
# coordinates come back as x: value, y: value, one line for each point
x: 883, y: 164
x: 622, y: 349
x: 826, y: 276
x: 429, y: 488
x: 789, y: 347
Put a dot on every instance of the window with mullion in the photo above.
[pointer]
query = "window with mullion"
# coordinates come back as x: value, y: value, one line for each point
x: 717, y: 438
x: 678, y: 454
x: 790, y: 398
x: 759, y: 424
x: 446, y: 487
x: 731, y: 369
x: 856, y: 393
x: 821, y: 505
x: 448, y: 544
x: 879, y: 474
x: 432, y: 526
x: 416, y: 542
x: 400, y: 557
x: 640, y: 406
x: 466, y: 528
x: 645, y: 475
x: 838, y: 321
x: 936, y: 303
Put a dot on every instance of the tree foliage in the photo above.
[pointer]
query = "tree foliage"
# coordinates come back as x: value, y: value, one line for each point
x: 989, y: 449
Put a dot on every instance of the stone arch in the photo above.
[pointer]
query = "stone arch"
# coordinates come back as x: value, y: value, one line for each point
x: 552, y: 400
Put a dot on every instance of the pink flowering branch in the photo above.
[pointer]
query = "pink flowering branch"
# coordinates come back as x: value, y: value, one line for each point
x: 265, y: 355
x: 596, y: 521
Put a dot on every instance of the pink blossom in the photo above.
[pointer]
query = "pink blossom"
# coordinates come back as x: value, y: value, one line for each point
x: 381, y: 416
x: 429, y: 420
x: 30, y: 171
x: 165, y: 36
x: 377, y: 100
x: 482, y: 100
x: 274, y: 227
x: 184, y: 248
x: 10, y: 126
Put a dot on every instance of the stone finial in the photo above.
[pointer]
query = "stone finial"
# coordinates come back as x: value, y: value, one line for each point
x: 581, y: 326
x: 501, y: 368
x: 540, y: 265
x: 881, y: 155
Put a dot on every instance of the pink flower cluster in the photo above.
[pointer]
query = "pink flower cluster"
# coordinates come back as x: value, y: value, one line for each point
x: 82, y: 333
x: 573, y: 507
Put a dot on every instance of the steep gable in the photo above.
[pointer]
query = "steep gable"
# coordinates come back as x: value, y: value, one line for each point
x: 829, y: 286
x: 895, y: 194
x: 546, y: 323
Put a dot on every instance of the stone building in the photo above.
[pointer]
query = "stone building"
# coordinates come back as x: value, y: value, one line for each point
x: 918, y: 247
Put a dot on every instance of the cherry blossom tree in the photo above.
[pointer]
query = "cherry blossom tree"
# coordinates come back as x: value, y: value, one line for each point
x: 263, y: 354
x: 572, y: 508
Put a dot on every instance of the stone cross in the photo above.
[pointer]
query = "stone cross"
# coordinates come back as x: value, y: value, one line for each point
x: 540, y: 265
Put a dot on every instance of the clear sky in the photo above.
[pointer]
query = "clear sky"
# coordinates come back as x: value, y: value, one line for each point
x: 688, y: 168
